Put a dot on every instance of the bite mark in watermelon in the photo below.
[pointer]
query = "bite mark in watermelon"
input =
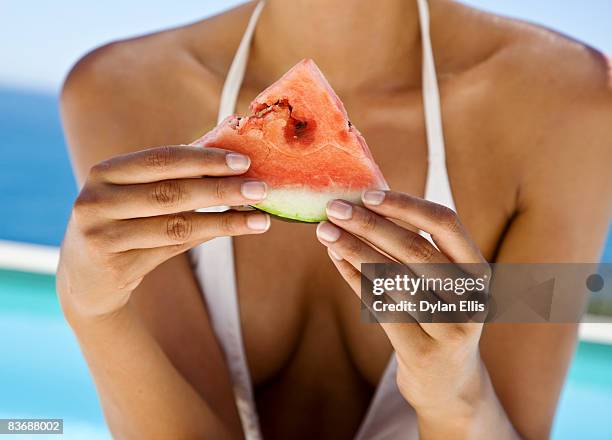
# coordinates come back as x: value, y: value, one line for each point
x: 302, y: 145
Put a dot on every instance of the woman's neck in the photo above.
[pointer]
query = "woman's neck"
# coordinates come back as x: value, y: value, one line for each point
x: 359, y: 44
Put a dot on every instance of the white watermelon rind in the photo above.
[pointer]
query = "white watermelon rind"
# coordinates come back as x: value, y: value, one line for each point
x: 303, y: 204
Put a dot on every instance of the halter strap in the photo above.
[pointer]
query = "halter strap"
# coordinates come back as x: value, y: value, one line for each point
x: 437, y: 186
x: 388, y: 412
x: 235, y: 75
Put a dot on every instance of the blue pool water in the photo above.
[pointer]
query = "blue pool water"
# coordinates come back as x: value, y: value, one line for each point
x: 42, y: 372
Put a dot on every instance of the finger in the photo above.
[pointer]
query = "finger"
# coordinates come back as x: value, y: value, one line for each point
x: 348, y: 247
x: 350, y: 274
x: 404, y: 245
x: 178, y: 229
x: 401, y: 335
x: 416, y: 249
x: 345, y: 248
x: 172, y: 196
x: 140, y: 262
x: 440, y: 222
x: 143, y: 261
x: 169, y: 162
x: 400, y: 243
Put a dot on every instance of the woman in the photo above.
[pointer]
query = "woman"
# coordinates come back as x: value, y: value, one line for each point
x: 524, y: 127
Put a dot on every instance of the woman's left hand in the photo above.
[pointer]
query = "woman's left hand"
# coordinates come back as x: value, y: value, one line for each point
x: 440, y: 372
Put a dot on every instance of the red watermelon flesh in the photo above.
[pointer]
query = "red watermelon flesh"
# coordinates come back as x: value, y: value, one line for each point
x: 302, y: 145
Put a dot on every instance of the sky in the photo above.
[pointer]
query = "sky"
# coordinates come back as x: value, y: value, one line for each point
x: 40, y: 40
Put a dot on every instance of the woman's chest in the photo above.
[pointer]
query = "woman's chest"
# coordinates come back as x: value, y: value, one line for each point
x: 287, y: 286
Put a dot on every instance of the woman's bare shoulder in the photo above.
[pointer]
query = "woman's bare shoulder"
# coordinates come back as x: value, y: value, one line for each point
x: 542, y: 85
x: 560, y: 89
x: 552, y: 106
x: 160, y: 88
x: 530, y: 55
x: 542, y: 108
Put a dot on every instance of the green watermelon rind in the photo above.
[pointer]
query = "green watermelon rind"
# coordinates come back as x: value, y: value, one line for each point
x: 288, y: 217
x: 303, y: 204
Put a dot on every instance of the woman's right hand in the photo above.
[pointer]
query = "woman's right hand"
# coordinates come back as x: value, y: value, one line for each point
x: 136, y: 211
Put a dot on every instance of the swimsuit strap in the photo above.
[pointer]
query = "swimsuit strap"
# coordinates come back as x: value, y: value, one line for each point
x: 235, y: 75
x: 389, y: 416
x: 215, y: 270
x: 437, y: 186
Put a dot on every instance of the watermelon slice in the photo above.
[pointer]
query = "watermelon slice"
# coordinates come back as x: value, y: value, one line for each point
x: 302, y: 145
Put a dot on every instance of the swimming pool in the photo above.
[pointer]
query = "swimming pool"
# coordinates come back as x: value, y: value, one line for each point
x: 42, y: 373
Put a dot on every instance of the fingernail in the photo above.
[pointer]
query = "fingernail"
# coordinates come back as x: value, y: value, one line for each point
x: 335, y: 255
x: 237, y: 162
x: 253, y: 190
x: 328, y: 232
x: 339, y: 209
x: 373, y: 197
x: 258, y: 222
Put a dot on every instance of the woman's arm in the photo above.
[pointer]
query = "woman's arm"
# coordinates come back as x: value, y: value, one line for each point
x: 564, y: 209
x: 508, y: 388
x: 440, y: 372
x: 142, y: 392
x: 157, y: 365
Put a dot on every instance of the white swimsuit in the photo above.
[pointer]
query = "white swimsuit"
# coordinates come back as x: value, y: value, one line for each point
x: 388, y: 417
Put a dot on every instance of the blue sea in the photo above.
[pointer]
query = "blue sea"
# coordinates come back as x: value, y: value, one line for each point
x: 36, y: 183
